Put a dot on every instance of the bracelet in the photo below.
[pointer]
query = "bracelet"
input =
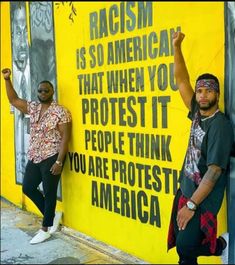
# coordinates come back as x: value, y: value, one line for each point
x: 59, y: 163
x: 7, y: 78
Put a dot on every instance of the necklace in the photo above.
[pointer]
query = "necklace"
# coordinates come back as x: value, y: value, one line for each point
x: 210, y: 116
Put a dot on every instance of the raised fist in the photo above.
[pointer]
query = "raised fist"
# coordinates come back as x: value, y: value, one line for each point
x: 6, y: 72
x: 177, y: 38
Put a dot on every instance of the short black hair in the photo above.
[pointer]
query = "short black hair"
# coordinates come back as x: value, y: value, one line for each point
x: 209, y: 76
x: 47, y: 82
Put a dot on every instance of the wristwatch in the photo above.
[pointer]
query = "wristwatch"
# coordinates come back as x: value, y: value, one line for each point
x: 59, y: 163
x: 191, y: 205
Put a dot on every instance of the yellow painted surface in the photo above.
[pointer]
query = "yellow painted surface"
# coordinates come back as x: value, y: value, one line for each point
x: 132, y: 221
x: 9, y: 189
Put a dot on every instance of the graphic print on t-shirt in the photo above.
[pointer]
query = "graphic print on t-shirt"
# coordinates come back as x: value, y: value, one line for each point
x: 193, y: 155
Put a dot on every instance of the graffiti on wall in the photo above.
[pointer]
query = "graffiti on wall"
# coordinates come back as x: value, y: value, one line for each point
x: 21, y: 82
x: 42, y: 50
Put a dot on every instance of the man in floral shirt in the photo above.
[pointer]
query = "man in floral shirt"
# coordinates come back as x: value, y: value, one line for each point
x: 50, y: 129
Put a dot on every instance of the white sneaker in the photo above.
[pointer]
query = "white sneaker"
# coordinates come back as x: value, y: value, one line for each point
x: 40, y: 237
x: 224, y: 255
x: 37, y: 231
x: 56, y: 223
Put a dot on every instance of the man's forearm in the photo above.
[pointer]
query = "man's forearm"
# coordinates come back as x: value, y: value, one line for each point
x: 180, y: 69
x: 63, y: 150
x: 207, y: 184
x: 65, y: 131
x: 182, y: 76
x: 20, y: 104
x: 11, y: 93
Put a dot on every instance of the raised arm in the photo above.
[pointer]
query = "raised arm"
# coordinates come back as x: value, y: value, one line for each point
x: 180, y: 70
x: 13, y: 98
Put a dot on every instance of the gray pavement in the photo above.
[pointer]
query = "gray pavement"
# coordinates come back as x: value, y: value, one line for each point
x: 65, y: 247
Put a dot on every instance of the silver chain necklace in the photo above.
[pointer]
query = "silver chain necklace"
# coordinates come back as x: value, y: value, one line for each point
x: 203, y: 119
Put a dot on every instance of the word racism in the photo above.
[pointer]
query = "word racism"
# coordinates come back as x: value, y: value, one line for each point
x: 131, y: 49
x: 127, y: 16
x: 134, y: 203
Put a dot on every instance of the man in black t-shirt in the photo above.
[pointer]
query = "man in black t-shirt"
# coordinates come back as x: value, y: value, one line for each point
x: 193, y: 226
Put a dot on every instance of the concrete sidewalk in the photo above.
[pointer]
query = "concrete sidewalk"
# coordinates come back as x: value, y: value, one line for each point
x: 64, y: 247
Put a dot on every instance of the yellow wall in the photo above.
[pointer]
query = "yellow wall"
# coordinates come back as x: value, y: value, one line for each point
x: 9, y: 189
x: 144, y: 237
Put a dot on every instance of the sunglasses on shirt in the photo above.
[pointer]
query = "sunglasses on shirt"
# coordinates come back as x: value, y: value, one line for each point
x: 43, y: 90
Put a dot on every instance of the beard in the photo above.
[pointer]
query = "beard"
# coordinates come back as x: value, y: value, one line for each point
x: 209, y: 105
x: 48, y: 100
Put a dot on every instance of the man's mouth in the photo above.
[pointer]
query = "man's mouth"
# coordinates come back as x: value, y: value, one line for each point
x: 203, y: 101
x: 22, y: 55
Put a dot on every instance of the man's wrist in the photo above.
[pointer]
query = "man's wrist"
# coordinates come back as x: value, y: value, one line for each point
x: 59, y: 163
x: 191, y: 205
x: 177, y: 47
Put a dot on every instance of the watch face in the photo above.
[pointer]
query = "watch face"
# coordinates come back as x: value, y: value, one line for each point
x: 190, y: 205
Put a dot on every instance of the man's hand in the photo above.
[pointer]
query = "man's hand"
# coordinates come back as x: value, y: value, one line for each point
x: 6, y: 72
x: 56, y: 169
x: 183, y: 217
x: 177, y: 38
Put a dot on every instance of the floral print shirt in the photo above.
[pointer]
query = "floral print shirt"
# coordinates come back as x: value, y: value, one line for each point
x: 45, y: 137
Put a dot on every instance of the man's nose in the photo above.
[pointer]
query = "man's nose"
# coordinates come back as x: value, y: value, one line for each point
x: 204, y: 93
x: 23, y: 42
x: 23, y: 39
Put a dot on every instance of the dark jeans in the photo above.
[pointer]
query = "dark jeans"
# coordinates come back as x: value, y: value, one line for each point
x: 35, y: 173
x: 188, y: 241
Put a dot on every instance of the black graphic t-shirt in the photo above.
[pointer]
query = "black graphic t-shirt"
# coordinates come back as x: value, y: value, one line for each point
x: 210, y: 143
